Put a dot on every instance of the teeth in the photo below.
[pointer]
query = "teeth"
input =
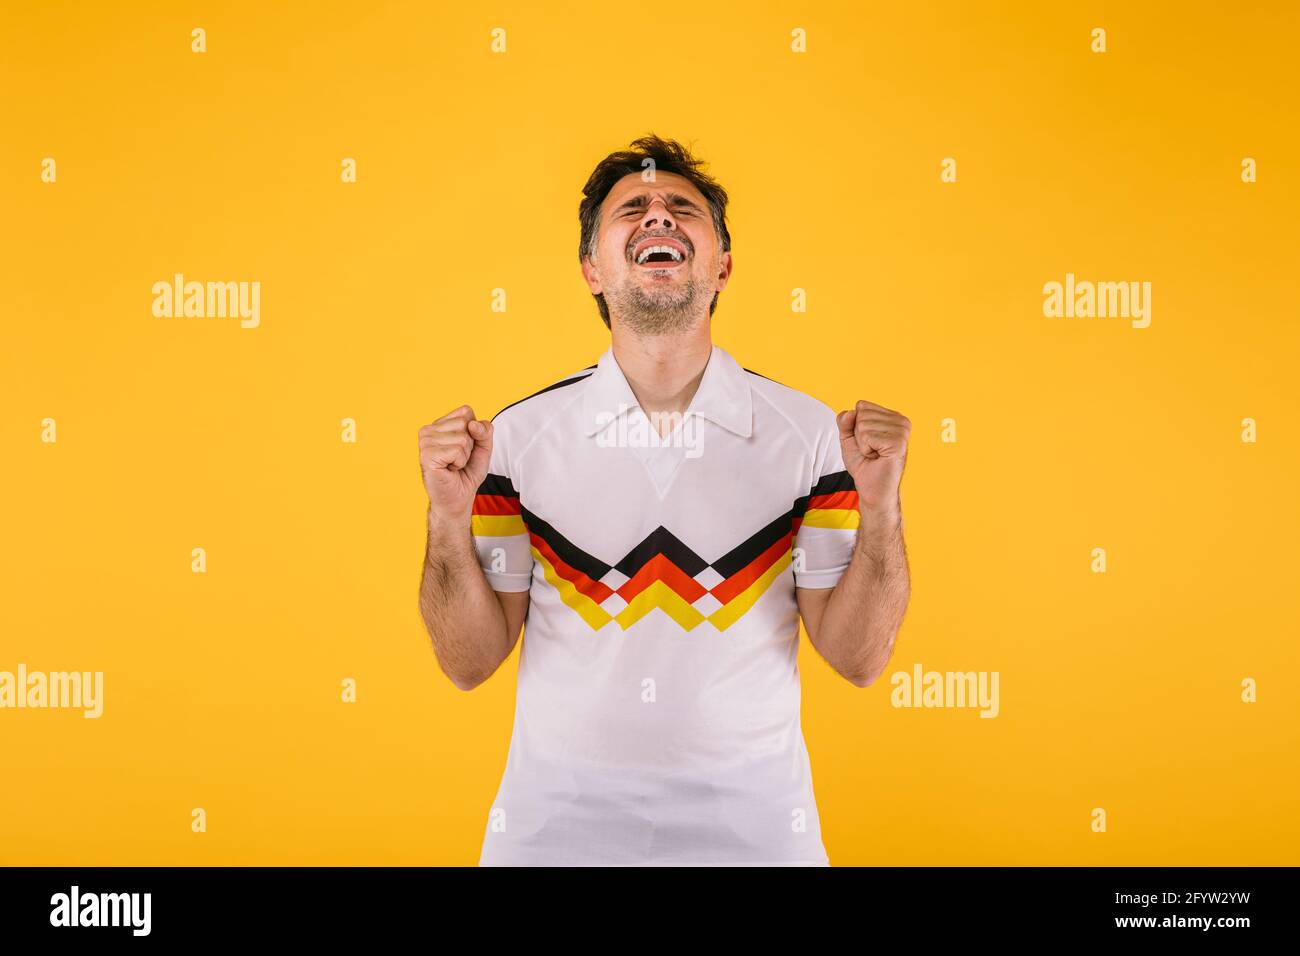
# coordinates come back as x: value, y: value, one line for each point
x: 648, y: 251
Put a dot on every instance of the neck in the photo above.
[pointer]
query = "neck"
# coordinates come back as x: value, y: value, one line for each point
x: 663, y: 370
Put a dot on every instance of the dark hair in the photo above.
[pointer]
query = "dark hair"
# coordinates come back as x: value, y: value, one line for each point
x: 669, y: 156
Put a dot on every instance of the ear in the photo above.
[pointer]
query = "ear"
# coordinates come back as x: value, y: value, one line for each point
x: 589, y: 273
x: 724, y: 270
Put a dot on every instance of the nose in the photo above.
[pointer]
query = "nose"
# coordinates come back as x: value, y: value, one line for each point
x: 657, y: 212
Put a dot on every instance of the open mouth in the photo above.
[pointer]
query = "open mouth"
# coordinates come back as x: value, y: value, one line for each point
x: 653, y: 254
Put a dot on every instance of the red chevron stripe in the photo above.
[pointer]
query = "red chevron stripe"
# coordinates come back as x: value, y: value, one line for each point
x: 659, y: 568
x: 593, y: 589
x: 751, y: 572
x: 495, y: 505
x: 846, y: 500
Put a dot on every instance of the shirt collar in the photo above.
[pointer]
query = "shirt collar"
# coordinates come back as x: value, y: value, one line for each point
x: 723, y: 396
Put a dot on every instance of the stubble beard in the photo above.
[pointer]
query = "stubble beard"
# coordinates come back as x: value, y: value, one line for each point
x: 658, y: 311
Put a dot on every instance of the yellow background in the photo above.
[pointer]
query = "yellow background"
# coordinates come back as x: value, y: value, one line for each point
x: 1118, y: 690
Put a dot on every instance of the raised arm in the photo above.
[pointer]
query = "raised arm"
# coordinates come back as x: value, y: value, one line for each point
x: 854, y: 624
x: 473, y: 627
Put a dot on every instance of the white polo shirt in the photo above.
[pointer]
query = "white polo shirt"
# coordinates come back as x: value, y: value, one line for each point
x: 657, y: 712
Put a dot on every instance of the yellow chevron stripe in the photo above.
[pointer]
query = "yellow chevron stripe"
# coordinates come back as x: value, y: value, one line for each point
x: 831, y: 518
x: 591, y: 612
x: 659, y: 595
x: 497, y: 526
x: 726, y: 616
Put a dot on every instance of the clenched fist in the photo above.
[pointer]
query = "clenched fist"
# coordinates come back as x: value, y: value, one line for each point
x: 873, y: 440
x: 454, y: 455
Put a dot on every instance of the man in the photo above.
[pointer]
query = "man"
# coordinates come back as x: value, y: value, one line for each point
x: 662, y: 519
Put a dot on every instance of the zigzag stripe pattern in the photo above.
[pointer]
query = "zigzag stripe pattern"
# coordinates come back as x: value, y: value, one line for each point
x: 661, y: 571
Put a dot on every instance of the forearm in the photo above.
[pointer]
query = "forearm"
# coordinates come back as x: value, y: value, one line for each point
x: 460, y: 611
x: 865, y: 609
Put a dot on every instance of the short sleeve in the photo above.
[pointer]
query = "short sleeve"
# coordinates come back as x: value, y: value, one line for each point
x: 500, y: 537
x: 826, y: 521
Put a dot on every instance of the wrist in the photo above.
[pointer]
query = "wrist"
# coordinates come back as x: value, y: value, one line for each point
x: 881, y: 518
x: 444, y: 526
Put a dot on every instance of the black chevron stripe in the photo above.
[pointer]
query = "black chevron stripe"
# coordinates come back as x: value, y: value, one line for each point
x: 827, y: 484
x: 497, y: 485
x: 740, y: 556
x: 568, y: 552
x: 662, y: 541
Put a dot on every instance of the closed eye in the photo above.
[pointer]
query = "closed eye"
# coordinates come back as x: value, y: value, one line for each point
x: 637, y: 204
x: 679, y: 211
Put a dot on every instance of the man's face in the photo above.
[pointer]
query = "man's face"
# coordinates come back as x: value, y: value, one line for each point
x: 657, y: 261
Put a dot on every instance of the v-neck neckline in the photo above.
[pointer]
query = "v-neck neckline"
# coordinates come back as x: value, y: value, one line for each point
x: 663, y: 461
